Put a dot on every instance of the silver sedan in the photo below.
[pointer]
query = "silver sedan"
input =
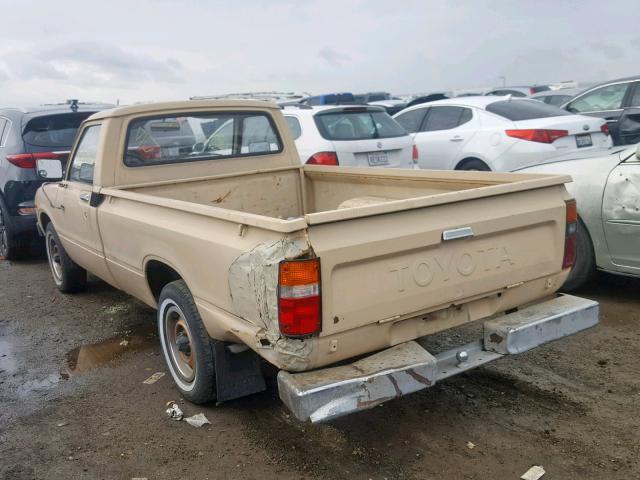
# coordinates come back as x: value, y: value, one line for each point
x: 606, y: 186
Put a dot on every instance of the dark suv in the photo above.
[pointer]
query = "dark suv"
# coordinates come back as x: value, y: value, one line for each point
x: 27, y: 135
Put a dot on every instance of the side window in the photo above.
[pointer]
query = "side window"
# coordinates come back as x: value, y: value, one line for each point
x: 604, y: 98
x: 294, y: 126
x: 442, y: 118
x: 465, y: 116
x: 199, y: 136
x: 412, y: 119
x: 635, y: 100
x: 84, y: 158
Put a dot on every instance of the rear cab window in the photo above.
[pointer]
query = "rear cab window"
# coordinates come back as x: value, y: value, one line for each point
x: 200, y: 136
x: 524, y: 110
x: 357, y: 124
x: 52, y: 132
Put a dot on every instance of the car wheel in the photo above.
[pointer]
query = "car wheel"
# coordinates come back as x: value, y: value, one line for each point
x: 584, y: 269
x: 474, y: 164
x: 68, y: 276
x: 186, y: 345
x: 12, y: 247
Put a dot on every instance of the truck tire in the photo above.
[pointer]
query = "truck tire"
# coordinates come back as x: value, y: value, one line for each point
x: 12, y: 247
x: 186, y: 345
x: 68, y: 276
x: 584, y: 269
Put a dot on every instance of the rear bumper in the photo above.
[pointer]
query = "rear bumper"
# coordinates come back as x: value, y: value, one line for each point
x: 329, y: 393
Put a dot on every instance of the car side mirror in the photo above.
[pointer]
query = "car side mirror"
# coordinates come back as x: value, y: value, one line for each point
x: 198, y: 147
x: 49, y: 168
x: 86, y: 172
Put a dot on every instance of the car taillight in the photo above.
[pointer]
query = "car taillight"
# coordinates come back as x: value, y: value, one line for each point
x: 299, y: 299
x: 537, y: 134
x: 149, y: 152
x: 605, y: 129
x: 532, y: 90
x: 323, y: 158
x: 571, y: 235
x: 28, y: 160
x: 414, y: 154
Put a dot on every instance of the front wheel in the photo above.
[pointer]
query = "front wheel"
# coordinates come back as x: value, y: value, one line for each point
x: 584, y: 269
x: 186, y: 345
x: 68, y: 276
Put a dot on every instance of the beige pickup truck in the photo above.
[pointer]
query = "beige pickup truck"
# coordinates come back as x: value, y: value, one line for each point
x: 201, y: 210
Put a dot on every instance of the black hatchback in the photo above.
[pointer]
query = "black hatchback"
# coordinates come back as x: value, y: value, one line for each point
x: 26, y: 135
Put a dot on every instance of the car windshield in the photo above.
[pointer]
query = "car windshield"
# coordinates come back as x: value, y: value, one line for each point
x: 357, y: 125
x: 53, y: 131
x: 516, y: 110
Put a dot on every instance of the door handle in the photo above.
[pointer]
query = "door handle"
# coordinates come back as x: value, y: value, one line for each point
x: 85, y: 196
x: 456, y: 139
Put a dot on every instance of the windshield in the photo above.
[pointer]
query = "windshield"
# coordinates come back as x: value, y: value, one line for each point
x: 358, y: 125
x: 516, y: 110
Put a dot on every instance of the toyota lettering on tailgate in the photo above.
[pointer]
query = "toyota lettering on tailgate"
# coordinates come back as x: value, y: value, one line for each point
x: 424, y: 271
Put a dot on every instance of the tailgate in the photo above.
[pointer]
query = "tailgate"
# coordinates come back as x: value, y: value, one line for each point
x: 384, y: 267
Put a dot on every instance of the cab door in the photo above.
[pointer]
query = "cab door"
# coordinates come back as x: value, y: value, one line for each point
x: 621, y: 215
x: 78, y: 225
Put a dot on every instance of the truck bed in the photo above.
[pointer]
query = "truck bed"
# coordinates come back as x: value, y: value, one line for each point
x: 315, y: 194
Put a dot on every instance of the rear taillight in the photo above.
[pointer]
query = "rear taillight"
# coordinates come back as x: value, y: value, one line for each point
x: 532, y: 90
x: 28, y: 160
x: 149, y: 152
x: 605, y: 128
x: 323, y: 158
x: 414, y: 154
x: 571, y: 235
x: 299, y: 300
x: 537, y: 134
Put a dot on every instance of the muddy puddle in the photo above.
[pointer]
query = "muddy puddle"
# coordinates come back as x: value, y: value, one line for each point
x: 89, y: 356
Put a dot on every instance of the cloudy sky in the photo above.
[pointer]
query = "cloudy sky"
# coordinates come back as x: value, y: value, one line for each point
x: 170, y: 49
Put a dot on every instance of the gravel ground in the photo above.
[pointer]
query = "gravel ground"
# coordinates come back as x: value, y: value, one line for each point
x: 73, y: 405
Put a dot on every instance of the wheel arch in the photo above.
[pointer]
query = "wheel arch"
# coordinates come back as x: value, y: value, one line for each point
x: 158, y: 273
x: 471, y: 158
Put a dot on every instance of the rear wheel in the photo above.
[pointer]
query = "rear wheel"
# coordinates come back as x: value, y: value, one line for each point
x: 584, y: 269
x: 473, y: 164
x: 68, y: 276
x: 186, y: 345
x: 12, y: 246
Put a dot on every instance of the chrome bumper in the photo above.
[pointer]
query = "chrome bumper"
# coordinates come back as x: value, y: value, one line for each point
x: 329, y: 393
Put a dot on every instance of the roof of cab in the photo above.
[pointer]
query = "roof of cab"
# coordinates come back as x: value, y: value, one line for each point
x: 184, y: 105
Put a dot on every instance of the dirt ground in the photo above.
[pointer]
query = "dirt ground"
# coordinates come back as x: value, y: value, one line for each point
x: 73, y: 404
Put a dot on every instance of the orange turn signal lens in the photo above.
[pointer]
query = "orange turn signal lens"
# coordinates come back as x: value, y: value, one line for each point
x: 299, y: 272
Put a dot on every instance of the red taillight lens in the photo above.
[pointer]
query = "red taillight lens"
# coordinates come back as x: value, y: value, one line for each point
x: 414, y: 154
x: 323, y: 158
x: 149, y: 152
x: 299, y: 299
x: 537, y: 134
x: 605, y: 129
x: 571, y: 235
x: 28, y: 160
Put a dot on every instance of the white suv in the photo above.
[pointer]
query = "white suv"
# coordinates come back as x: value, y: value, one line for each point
x: 354, y: 136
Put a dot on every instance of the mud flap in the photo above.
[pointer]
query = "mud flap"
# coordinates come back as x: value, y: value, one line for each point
x: 237, y: 374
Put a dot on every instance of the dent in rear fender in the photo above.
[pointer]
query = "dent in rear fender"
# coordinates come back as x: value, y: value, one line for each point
x: 253, y: 283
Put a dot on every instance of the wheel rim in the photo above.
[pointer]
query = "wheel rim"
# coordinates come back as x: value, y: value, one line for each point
x: 4, y: 238
x: 53, y: 254
x: 179, y: 345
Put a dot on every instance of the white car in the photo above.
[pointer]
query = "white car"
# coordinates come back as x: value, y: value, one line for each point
x: 497, y: 133
x: 354, y: 136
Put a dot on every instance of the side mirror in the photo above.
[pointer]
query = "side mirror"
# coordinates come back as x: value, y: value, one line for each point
x: 86, y: 172
x: 198, y: 147
x: 49, y: 168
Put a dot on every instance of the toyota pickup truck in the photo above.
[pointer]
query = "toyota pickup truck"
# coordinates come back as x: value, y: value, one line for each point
x: 201, y: 210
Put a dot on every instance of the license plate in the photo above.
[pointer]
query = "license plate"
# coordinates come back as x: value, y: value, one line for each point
x: 584, y: 140
x: 378, y: 158
x: 173, y: 151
